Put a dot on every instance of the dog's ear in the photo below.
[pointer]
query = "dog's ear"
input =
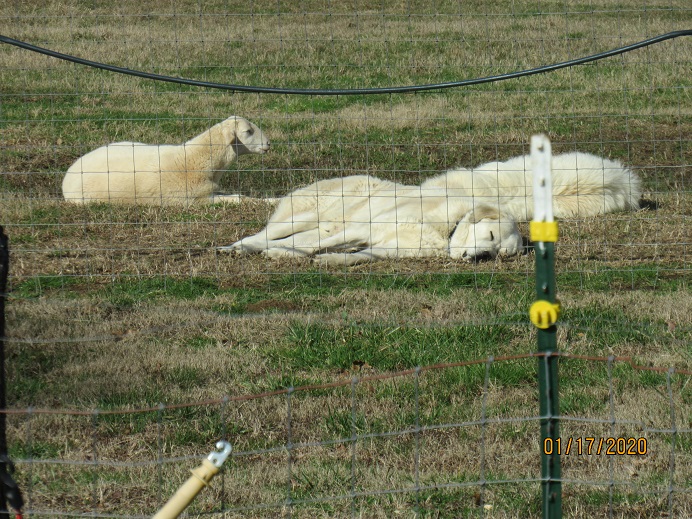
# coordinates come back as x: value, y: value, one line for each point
x: 482, y: 212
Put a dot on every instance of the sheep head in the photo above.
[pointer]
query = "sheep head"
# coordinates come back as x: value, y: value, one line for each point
x: 244, y: 137
x: 484, y: 233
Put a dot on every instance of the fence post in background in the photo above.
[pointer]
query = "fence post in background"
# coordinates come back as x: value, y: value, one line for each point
x: 4, y: 270
x: 544, y: 313
x: 9, y: 491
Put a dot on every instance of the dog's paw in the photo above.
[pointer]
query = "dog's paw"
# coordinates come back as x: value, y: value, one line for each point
x: 227, y: 199
x: 334, y: 258
x: 236, y: 248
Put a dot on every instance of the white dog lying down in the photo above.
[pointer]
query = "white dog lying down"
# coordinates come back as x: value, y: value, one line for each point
x: 583, y: 185
x: 129, y: 172
x: 360, y: 218
x: 461, y: 213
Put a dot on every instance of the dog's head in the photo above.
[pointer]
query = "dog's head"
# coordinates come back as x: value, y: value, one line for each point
x: 246, y: 137
x: 484, y: 233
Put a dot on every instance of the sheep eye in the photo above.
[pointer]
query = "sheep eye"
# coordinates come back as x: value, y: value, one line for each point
x: 492, y: 236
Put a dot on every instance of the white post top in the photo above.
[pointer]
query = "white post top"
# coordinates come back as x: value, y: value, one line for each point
x: 542, y: 181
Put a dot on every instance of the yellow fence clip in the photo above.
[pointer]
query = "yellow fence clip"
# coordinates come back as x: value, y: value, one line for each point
x: 543, y: 231
x: 544, y: 314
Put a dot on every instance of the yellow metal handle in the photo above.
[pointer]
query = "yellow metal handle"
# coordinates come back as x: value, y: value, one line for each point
x: 201, y: 476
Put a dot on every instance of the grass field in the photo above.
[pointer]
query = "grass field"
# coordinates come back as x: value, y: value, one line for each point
x: 121, y: 308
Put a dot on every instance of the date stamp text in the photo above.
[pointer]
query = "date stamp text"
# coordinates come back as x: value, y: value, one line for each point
x: 610, y: 446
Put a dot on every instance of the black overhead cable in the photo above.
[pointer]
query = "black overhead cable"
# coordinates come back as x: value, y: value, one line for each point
x: 351, y: 91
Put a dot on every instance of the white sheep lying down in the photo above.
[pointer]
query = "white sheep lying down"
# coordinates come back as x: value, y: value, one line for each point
x: 583, y: 185
x: 356, y: 219
x: 133, y: 172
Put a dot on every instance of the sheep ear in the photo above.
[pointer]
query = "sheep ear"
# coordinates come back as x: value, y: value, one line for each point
x: 230, y: 130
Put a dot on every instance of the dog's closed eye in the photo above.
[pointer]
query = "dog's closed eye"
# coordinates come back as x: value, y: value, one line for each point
x: 492, y: 236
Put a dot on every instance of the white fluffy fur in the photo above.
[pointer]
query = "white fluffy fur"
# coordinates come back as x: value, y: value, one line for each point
x: 129, y: 172
x: 361, y: 218
x: 583, y: 185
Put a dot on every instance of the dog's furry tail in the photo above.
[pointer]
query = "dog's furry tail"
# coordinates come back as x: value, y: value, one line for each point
x: 586, y: 185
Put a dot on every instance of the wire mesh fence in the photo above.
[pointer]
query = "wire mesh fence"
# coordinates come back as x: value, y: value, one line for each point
x: 452, y: 440
x: 122, y: 306
x: 632, y: 107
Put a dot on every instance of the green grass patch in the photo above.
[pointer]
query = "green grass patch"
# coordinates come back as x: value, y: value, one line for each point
x: 603, y: 497
x: 683, y: 443
x: 128, y: 291
x: 31, y: 367
x: 186, y: 377
x: 40, y: 285
x: 199, y: 343
x: 131, y: 398
x: 606, y: 325
x: 35, y: 450
x: 125, y: 423
x: 343, y: 424
x: 639, y: 277
x: 441, y: 283
x: 465, y: 501
x: 387, y: 348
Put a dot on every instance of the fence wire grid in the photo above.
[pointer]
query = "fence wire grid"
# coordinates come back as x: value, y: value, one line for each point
x: 426, y: 448
x: 114, y: 308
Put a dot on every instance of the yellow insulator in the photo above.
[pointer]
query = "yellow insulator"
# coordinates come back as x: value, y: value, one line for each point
x: 544, y: 314
x: 543, y: 231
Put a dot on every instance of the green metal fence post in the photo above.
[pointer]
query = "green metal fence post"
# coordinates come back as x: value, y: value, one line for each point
x: 544, y: 313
